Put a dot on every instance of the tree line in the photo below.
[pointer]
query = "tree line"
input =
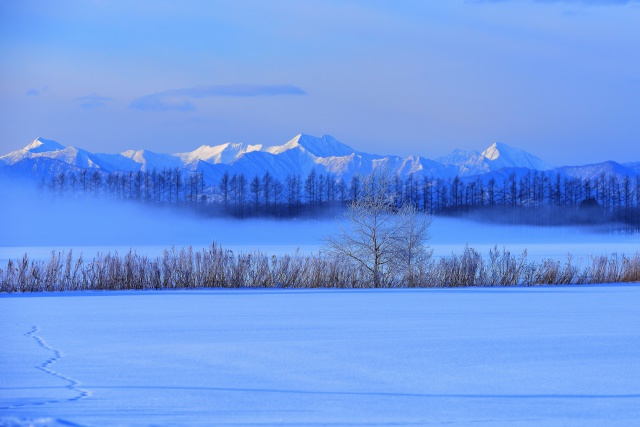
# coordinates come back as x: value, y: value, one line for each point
x: 164, y: 187
x: 536, y: 197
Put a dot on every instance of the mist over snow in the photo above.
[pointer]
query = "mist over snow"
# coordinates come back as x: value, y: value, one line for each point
x: 37, y: 223
x: 35, y: 220
x: 450, y: 235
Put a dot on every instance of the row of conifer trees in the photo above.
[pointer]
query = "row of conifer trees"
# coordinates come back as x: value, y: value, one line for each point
x: 537, y: 197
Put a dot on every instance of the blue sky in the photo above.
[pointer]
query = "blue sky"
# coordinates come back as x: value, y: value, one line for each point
x: 559, y: 78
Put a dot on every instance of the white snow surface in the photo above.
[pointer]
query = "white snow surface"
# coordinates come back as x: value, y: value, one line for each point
x: 546, y: 356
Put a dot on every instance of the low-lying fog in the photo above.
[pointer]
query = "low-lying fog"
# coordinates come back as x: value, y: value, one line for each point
x: 37, y: 224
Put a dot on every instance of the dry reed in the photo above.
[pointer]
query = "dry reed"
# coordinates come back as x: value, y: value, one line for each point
x: 215, y: 267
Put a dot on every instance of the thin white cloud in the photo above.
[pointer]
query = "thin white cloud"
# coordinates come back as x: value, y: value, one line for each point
x: 93, y: 100
x: 178, y: 99
x: 37, y: 91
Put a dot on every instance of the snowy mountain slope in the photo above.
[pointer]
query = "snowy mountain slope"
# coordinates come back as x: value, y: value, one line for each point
x: 37, y: 169
x: 633, y: 166
x: 117, y: 162
x: 501, y: 155
x: 458, y: 157
x: 594, y: 171
x: 298, y: 156
x: 224, y: 153
x: 494, y: 158
x: 42, y: 148
x: 73, y: 156
x: 325, y: 146
x: 149, y: 160
x: 229, y: 153
x: 40, y: 145
x: 140, y: 160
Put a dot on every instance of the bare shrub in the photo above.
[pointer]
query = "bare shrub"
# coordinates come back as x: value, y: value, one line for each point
x: 215, y: 267
x: 459, y: 270
x: 630, y: 269
x: 546, y: 274
x: 504, y: 269
x: 9, y: 280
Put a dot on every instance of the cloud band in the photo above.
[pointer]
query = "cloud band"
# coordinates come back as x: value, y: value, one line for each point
x: 178, y: 99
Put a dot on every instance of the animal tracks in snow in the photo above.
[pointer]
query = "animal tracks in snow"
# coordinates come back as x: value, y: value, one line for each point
x: 71, y: 384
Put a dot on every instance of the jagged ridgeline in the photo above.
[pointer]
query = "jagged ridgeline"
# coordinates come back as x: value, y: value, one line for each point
x: 314, y: 175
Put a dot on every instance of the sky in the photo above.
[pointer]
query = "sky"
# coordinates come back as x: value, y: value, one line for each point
x: 558, y: 78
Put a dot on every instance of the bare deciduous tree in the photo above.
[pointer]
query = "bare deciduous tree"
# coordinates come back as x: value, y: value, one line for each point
x: 410, y: 251
x: 385, y: 241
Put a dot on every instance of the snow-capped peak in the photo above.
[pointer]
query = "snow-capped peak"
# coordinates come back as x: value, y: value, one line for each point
x: 41, y: 145
x: 135, y: 155
x: 458, y: 157
x: 298, y: 156
x: 223, y: 153
x: 325, y: 146
x: 493, y: 152
x: 502, y: 155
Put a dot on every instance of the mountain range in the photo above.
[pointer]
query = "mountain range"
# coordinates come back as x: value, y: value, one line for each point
x: 45, y: 158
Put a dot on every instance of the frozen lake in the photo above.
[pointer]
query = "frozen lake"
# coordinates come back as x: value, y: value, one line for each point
x: 496, y: 357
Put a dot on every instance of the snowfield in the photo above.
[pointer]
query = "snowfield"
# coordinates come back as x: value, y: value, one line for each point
x: 550, y: 356
x: 542, y: 356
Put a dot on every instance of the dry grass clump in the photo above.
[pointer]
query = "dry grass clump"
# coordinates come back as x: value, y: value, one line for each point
x: 215, y: 267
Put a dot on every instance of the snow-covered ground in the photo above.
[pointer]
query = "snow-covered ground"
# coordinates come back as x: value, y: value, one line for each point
x: 514, y: 356
x: 544, y: 356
